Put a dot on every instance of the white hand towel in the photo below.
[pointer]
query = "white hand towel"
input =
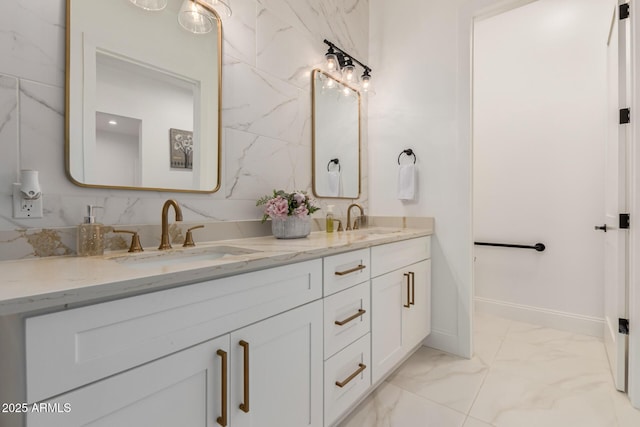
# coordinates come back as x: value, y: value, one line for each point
x: 406, y: 182
x: 334, y: 183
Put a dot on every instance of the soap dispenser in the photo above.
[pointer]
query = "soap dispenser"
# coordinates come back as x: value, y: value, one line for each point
x: 329, y: 223
x: 90, y: 234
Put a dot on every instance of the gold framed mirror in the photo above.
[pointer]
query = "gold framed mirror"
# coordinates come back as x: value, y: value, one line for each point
x: 142, y: 99
x: 336, y: 138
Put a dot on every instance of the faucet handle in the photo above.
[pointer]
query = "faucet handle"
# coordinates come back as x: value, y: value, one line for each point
x: 339, y: 225
x: 188, y: 240
x: 135, y: 240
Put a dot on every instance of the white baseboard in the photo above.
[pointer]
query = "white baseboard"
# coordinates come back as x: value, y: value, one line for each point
x: 443, y: 341
x: 570, y: 322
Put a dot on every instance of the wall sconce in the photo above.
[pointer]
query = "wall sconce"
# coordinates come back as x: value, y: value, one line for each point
x: 196, y: 16
x: 339, y: 60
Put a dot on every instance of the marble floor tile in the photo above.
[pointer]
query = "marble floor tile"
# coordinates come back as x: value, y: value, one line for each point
x: 521, y: 375
x: 390, y: 406
x: 580, y: 345
x: 507, y: 400
x: 492, y: 325
x: 472, y: 422
x: 551, y: 366
x: 627, y: 415
x: 443, y: 378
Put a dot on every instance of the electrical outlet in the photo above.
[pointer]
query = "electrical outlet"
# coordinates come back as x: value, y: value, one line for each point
x: 23, y: 208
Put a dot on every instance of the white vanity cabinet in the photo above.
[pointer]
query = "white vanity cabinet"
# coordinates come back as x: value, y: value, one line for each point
x: 184, y: 389
x: 400, y: 301
x: 154, y: 359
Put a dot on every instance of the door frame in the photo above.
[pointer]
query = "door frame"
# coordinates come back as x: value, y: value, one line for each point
x: 485, y: 8
x: 633, y: 389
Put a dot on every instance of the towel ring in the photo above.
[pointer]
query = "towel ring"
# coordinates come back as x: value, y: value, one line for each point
x: 336, y: 161
x: 408, y: 152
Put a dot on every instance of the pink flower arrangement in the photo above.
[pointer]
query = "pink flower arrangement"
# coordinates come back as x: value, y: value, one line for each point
x: 281, y: 205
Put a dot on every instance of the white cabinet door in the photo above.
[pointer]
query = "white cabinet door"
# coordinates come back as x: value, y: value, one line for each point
x: 401, y: 315
x: 184, y: 389
x: 416, y: 321
x: 386, y: 322
x: 276, y: 371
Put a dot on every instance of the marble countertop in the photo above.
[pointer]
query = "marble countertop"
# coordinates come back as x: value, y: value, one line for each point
x: 60, y: 282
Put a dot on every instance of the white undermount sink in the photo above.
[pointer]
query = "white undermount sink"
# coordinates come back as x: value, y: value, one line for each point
x: 173, y: 257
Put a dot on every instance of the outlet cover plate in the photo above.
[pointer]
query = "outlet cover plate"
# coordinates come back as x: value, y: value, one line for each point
x: 23, y: 208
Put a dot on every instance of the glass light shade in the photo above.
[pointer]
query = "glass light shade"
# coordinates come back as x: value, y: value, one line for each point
x: 195, y: 18
x: 223, y: 9
x: 332, y: 62
x: 150, y: 4
x: 349, y: 74
x: 366, y: 82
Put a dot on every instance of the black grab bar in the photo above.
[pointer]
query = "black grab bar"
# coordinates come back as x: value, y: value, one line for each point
x: 538, y: 246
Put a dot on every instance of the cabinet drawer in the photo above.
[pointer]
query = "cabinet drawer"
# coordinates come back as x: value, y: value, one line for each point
x: 345, y: 270
x: 392, y: 256
x: 341, y: 368
x: 68, y: 349
x: 351, y: 309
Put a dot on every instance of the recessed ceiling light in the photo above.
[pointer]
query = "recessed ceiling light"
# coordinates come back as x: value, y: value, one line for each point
x: 113, y: 122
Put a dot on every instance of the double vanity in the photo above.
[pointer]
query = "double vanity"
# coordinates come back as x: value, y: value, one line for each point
x: 244, y: 332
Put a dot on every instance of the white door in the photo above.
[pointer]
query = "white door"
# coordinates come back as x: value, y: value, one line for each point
x: 615, y: 289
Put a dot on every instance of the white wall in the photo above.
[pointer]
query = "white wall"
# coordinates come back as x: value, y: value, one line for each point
x: 419, y: 50
x: 538, y: 145
x: 269, y: 50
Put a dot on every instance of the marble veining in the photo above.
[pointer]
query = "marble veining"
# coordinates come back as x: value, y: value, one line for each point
x: 269, y: 47
x: 521, y: 375
x: 46, y: 282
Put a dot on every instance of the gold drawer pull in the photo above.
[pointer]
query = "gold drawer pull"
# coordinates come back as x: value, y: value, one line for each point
x: 361, y: 367
x: 351, y: 270
x: 350, y: 318
x: 413, y: 288
x: 245, y: 405
x: 222, y: 420
x: 408, y: 304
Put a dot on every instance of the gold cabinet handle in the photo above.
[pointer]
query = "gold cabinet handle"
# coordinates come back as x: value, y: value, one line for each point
x: 350, y: 318
x: 408, y: 304
x: 351, y: 270
x: 245, y: 405
x: 413, y: 287
x: 222, y: 420
x: 361, y: 367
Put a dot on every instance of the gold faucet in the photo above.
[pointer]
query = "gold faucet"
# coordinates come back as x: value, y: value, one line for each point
x: 355, y: 221
x: 164, y: 239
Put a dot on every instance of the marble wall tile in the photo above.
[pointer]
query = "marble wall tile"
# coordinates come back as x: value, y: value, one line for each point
x: 285, y: 52
x: 260, y: 103
x: 239, y: 32
x: 472, y: 422
x: 261, y: 164
x: 8, y: 133
x: 265, y: 94
x: 32, y: 40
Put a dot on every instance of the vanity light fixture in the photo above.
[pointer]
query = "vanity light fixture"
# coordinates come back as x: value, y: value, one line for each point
x: 339, y: 60
x: 196, y: 16
x: 199, y: 16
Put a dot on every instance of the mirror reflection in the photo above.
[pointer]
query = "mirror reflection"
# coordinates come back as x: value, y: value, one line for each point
x: 143, y: 98
x: 336, y: 138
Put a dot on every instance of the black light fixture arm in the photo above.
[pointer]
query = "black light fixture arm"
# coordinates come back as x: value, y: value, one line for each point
x: 367, y: 69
